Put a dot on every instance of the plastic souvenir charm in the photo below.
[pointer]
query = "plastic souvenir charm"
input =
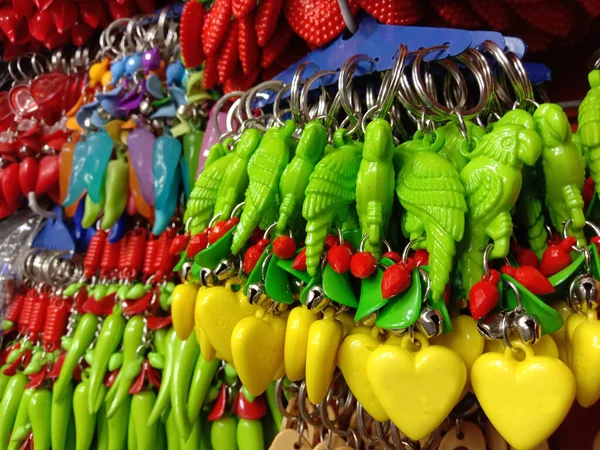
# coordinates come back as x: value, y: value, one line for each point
x: 454, y: 142
x: 295, y: 177
x: 430, y: 190
x: 564, y: 169
x: 493, y: 182
x: 264, y: 172
x: 530, y: 210
x: 235, y: 179
x: 503, y: 384
x: 331, y: 190
x: 589, y: 126
x: 375, y: 184
x: 204, y: 195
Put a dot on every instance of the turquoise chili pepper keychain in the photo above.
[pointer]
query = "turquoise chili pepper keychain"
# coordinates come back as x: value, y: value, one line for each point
x: 77, y: 181
x: 100, y: 147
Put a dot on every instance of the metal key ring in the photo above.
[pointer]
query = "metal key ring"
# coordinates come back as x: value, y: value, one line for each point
x: 271, y: 85
x: 345, y: 89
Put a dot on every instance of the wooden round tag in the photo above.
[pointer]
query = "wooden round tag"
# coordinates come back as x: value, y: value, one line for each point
x: 471, y: 439
x: 289, y: 440
x: 336, y: 443
x: 494, y: 440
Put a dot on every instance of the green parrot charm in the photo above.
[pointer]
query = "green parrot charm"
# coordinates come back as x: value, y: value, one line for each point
x: 200, y: 207
x: 330, y: 192
x: 530, y: 210
x: 589, y: 127
x: 235, y: 179
x: 454, y: 142
x: 430, y: 190
x: 493, y: 182
x: 264, y: 173
x: 564, y: 169
x: 295, y: 177
x: 375, y: 184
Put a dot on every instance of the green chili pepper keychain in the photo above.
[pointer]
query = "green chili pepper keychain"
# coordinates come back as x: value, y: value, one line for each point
x: 182, y: 376
x: 132, y: 364
x: 430, y: 190
x: 22, y: 425
x: 40, y: 405
x: 93, y: 210
x: 235, y: 179
x: 294, y: 179
x: 9, y: 406
x: 330, y: 192
x: 264, y: 173
x: 492, y: 180
x: 117, y: 188
x: 141, y: 406
x: 164, y: 394
x: 109, y: 339
x: 60, y: 416
x: 204, y: 374
x: 375, y: 184
x: 85, y: 419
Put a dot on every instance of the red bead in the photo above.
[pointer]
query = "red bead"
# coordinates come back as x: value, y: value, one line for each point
x: 394, y: 256
x: 339, y: 258
x: 284, y: 247
x: 300, y: 261
x: 198, y: 242
x: 251, y: 257
x: 217, y: 231
x: 525, y: 256
x: 557, y: 257
x: 421, y: 257
x: 483, y: 297
x: 531, y: 278
x: 596, y: 241
x: 263, y: 243
x: 331, y: 241
x: 396, y: 279
x: 179, y: 244
x: 588, y: 191
x: 363, y: 265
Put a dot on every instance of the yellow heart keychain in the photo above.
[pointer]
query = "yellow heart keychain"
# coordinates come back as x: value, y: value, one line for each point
x: 257, y: 345
x: 417, y: 388
x: 544, y: 346
x: 296, y: 341
x: 583, y: 350
x: 525, y: 400
x: 218, y: 310
x: 324, y: 338
x: 352, y: 360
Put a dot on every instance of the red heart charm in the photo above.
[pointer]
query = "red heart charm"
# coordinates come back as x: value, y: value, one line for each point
x: 9, y: 23
x: 80, y: 33
x: 41, y: 25
x: 92, y: 13
x: 56, y: 39
x: 65, y: 15
x: 42, y: 4
x: 48, y: 90
x: 21, y: 101
x: 24, y: 8
x: 121, y: 10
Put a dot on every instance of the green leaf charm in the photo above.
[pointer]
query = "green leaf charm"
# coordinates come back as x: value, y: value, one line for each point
x: 375, y: 184
x: 337, y: 287
x: 277, y: 283
x: 264, y: 172
x: 562, y: 280
x: 550, y: 319
x: 203, y: 197
x: 330, y: 192
x: 564, y: 169
x: 492, y: 180
x: 212, y: 255
x: 295, y: 177
x: 430, y: 190
x: 235, y: 179
x: 403, y: 311
x: 371, y: 298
